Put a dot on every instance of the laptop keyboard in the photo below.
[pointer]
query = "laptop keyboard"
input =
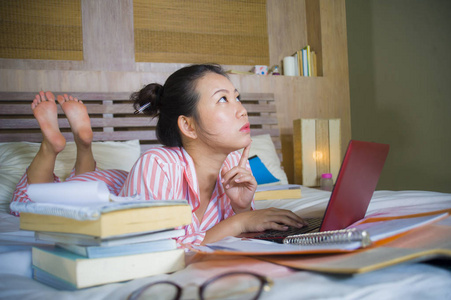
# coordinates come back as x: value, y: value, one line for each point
x: 278, y: 236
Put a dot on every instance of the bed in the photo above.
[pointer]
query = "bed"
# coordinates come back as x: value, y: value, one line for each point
x: 120, y: 137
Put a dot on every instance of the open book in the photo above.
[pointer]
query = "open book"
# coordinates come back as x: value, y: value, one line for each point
x: 81, y: 200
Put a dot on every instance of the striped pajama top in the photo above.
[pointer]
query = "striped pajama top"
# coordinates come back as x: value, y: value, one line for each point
x: 169, y: 173
x: 161, y: 173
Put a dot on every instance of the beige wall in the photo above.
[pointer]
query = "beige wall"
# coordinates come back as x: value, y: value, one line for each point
x: 400, y: 82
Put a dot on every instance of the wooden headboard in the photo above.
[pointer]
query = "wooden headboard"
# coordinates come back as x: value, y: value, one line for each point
x: 112, y: 118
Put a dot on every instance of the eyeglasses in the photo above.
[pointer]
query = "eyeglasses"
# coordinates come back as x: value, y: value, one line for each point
x: 233, y: 285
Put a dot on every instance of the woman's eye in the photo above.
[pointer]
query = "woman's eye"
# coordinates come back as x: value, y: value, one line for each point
x: 238, y: 99
x: 223, y: 99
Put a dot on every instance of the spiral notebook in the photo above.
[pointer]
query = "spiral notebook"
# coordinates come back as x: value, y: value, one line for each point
x: 331, y: 237
x: 351, y: 195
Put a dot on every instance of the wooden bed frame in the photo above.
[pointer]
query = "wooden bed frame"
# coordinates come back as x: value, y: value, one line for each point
x: 112, y: 118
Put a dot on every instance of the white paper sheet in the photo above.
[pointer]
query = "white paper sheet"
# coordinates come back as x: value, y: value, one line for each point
x: 75, y: 192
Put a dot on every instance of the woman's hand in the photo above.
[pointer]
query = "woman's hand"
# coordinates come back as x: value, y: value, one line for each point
x: 253, y: 221
x: 240, y: 184
x: 269, y: 218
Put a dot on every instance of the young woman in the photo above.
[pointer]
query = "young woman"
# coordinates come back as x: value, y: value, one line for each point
x: 202, y: 124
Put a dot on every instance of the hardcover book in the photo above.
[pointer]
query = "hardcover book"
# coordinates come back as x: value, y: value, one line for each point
x: 124, y: 220
x: 127, y: 249
x: 87, y: 240
x: 285, y: 191
x: 81, y: 272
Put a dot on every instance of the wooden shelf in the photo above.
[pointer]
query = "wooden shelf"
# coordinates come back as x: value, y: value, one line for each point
x: 292, y: 25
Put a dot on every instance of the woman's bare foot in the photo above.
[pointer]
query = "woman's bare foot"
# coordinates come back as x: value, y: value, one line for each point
x: 78, y: 117
x: 80, y: 124
x: 53, y: 142
x: 45, y: 111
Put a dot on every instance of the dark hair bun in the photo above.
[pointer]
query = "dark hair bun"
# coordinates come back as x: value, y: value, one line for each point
x: 147, y: 100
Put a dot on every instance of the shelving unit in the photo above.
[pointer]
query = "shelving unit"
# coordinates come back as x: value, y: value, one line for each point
x: 292, y: 24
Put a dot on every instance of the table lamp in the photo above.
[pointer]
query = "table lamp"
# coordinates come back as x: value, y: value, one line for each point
x: 317, y: 147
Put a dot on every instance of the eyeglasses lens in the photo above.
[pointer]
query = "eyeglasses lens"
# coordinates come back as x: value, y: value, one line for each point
x: 233, y: 286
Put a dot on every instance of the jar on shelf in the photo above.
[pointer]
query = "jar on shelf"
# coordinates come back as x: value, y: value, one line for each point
x: 326, y: 182
x: 276, y: 71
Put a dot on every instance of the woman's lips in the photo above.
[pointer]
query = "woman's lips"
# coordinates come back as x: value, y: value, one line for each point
x: 246, y: 128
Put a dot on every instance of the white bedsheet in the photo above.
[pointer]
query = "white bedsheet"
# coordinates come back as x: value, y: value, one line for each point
x: 407, y: 281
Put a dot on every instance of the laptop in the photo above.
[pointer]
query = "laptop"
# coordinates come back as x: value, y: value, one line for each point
x: 351, y: 195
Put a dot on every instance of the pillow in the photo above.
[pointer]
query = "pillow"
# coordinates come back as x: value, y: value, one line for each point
x: 263, y: 147
x: 15, y: 157
x: 261, y: 173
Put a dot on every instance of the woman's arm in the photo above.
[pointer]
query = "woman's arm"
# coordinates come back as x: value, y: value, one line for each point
x: 253, y: 221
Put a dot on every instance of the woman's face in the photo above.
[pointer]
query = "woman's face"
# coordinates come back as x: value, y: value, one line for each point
x: 223, y: 121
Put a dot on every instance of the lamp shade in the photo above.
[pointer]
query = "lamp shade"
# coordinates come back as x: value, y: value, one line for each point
x: 317, y: 147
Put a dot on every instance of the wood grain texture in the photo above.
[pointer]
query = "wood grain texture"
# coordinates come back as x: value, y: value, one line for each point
x: 313, y: 23
x: 112, y: 118
x: 108, y: 40
x: 286, y: 28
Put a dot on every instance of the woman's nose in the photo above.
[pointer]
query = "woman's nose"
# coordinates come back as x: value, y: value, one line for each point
x: 241, y: 112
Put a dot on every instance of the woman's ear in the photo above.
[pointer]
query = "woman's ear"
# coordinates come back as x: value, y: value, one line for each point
x: 187, y: 127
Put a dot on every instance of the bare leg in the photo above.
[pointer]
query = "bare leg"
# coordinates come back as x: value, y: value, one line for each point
x: 45, y: 111
x: 80, y: 124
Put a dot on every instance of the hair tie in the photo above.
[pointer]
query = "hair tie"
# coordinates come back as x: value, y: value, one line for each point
x: 142, y: 108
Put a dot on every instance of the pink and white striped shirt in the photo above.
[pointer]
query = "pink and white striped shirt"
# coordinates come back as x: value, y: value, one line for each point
x: 161, y: 173
x: 169, y: 173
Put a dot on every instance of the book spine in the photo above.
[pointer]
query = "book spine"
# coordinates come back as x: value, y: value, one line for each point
x: 51, y: 280
x: 128, y: 249
x: 305, y: 62
x: 330, y: 237
x: 309, y: 59
x: 300, y: 68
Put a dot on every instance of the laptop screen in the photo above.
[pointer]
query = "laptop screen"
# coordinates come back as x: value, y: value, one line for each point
x: 355, y: 184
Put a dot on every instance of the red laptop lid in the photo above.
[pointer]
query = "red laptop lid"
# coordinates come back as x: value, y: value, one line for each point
x: 355, y: 184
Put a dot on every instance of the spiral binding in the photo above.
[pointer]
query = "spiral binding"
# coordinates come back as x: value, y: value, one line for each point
x: 330, y: 237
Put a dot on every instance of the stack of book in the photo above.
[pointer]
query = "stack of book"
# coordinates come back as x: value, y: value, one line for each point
x: 125, y: 241
x: 305, y: 62
x: 276, y: 192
